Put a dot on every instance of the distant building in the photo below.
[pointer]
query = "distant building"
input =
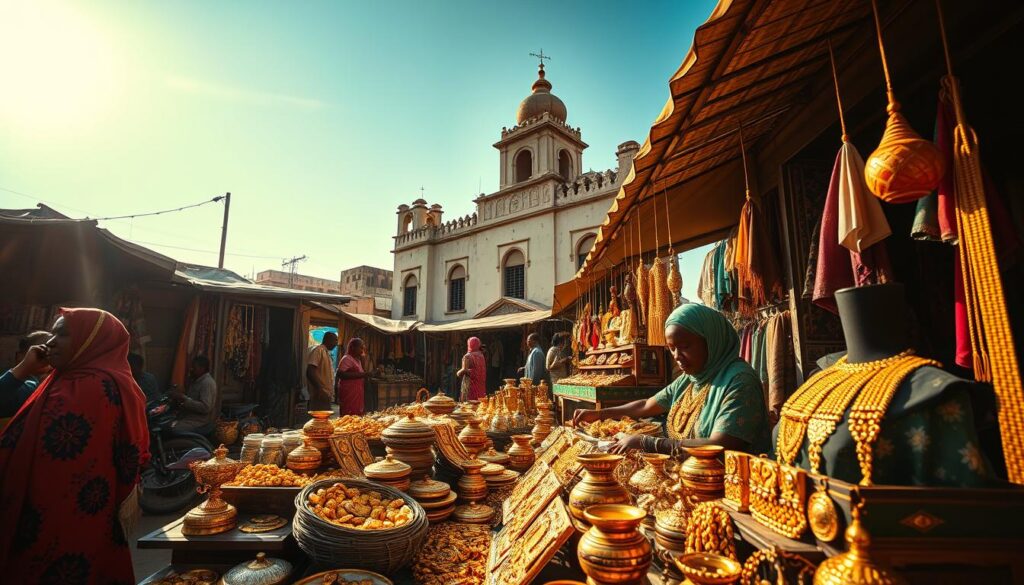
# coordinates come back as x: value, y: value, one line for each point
x: 523, y: 239
x: 297, y: 281
x: 367, y: 281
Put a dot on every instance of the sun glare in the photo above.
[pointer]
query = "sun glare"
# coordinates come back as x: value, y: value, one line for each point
x: 57, y: 68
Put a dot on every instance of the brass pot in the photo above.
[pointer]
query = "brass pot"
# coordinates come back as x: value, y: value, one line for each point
x: 521, y: 454
x: 304, y: 458
x: 420, y: 460
x: 319, y: 427
x: 613, y: 550
x: 408, y: 433
x: 389, y: 469
x: 428, y: 489
x: 214, y: 515
x: 703, y: 474
x: 492, y: 456
x: 440, y: 404
x: 649, y: 477
x: 262, y: 571
x: 472, y: 487
x: 598, y: 485
x: 473, y: 437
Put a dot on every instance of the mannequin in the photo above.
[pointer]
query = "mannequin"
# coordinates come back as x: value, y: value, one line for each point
x: 928, y: 435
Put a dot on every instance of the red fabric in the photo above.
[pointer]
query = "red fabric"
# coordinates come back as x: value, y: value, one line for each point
x: 945, y: 123
x: 350, y: 392
x: 477, y: 373
x: 68, y: 460
x: 838, y: 267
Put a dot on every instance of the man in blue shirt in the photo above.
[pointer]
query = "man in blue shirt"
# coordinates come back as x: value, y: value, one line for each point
x: 146, y: 381
x: 534, y: 368
x: 18, y: 383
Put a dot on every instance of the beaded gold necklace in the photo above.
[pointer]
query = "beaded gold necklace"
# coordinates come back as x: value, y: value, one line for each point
x: 816, y: 408
x: 682, y: 417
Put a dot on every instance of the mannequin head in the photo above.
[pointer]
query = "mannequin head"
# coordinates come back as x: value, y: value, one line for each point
x: 874, y: 321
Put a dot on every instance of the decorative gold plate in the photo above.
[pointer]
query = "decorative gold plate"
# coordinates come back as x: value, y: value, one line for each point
x: 264, y: 524
x: 822, y: 516
x: 529, y: 554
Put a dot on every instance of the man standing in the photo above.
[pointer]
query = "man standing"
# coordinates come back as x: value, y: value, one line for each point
x: 534, y: 368
x: 144, y: 379
x: 320, y: 373
x: 18, y: 383
x: 201, y: 404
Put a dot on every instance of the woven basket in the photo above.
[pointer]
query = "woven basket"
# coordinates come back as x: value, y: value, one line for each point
x: 332, y: 546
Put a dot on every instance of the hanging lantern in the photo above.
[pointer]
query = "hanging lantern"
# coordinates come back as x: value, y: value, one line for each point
x: 904, y: 167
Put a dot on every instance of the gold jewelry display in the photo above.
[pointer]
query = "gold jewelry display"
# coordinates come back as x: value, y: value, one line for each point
x: 737, y: 480
x: 822, y: 515
x: 778, y: 494
x: 783, y: 564
x: 683, y: 416
x: 548, y: 533
x: 815, y: 409
x: 567, y: 466
x: 528, y: 482
x: 531, y: 507
x: 855, y: 566
x: 710, y: 530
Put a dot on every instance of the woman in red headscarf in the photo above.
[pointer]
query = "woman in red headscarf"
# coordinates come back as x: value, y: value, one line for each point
x: 474, y: 369
x: 70, y: 459
x: 349, y: 384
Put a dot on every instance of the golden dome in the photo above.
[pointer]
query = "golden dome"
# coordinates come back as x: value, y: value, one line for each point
x: 541, y: 101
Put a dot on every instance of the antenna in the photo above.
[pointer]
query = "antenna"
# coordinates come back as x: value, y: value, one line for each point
x: 291, y: 264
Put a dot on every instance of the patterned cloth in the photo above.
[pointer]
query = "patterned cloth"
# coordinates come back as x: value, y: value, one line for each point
x: 735, y: 404
x: 477, y: 364
x: 68, y: 461
x: 350, y: 391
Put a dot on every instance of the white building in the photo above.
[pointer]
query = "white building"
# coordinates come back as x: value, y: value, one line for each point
x: 523, y: 239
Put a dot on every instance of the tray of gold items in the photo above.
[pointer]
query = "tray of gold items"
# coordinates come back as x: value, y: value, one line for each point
x: 553, y: 446
x: 345, y: 577
x: 531, y: 507
x: 527, y: 483
x: 179, y: 576
x: 530, y: 553
x: 609, y: 428
x: 567, y: 466
x: 453, y: 553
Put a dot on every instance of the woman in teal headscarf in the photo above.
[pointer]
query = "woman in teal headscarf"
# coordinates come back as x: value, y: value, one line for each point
x: 718, y: 400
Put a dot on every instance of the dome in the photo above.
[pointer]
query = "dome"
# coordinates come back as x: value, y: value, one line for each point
x: 420, y: 202
x: 541, y: 101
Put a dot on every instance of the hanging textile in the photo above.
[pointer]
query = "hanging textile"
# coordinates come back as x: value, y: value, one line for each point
x: 862, y: 222
x: 778, y: 347
x: 723, y: 280
x: 758, y: 280
x: 706, y: 284
x: 838, y: 267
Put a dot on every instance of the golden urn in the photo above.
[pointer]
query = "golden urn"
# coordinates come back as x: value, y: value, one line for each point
x: 855, y: 566
x: 905, y: 166
x: 501, y: 422
x: 440, y: 404
x: 305, y: 457
x: 519, y: 418
x: 411, y: 442
x: 703, y: 474
x: 613, y: 550
x: 521, y: 455
x: 472, y: 488
x: 473, y: 437
x: 214, y: 515
x: 598, y: 485
x: 670, y: 525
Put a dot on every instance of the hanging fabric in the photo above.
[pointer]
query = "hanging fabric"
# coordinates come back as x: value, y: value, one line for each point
x: 995, y: 357
x: 758, y: 280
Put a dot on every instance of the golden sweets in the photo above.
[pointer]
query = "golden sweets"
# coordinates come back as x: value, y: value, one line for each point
x: 710, y: 530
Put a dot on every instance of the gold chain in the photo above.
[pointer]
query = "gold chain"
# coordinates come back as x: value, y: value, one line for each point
x: 682, y: 417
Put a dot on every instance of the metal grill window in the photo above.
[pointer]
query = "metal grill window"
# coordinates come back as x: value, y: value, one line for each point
x: 457, y: 294
x: 515, y: 281
x: 409, y: 302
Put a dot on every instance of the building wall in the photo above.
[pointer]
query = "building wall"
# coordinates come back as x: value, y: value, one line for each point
x: 366, y: 281
x: 298, y: 282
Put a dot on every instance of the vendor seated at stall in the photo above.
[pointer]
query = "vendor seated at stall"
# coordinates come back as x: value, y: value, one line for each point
x: 197, y: 408
x: 718, y: 399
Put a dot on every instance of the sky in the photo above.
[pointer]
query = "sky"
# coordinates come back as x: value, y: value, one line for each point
x: 320, y: 117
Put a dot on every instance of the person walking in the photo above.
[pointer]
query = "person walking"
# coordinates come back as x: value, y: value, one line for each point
x: 473, y: 374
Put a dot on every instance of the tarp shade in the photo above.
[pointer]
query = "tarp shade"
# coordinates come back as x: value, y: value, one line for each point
x: 484, y: 323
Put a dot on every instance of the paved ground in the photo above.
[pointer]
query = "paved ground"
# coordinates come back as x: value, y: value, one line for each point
x: 147, y: 562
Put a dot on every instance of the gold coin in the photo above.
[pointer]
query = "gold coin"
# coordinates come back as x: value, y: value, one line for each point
x: 822, y: 516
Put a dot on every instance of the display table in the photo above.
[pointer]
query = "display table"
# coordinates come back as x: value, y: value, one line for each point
x: 381, y: 394
x: 598, y: 396
x: 231, y: 547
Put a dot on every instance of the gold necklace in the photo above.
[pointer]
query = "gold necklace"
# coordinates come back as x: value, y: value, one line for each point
x: 817, y: 406
x: 683, y: 415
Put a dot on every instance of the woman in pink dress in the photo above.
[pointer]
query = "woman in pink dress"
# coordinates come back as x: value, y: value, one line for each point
x: 474, y: 368
x: 349, y: 387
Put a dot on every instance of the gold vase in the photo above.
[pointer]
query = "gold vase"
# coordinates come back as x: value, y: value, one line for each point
x: 613, y: 550
x: 473, y: 437
x: 905, y: 166
x: 701, y: 568
x: 703, y: 474
x: 855, y: 566
x: 520, y: 454
x: 472, y: 487
x: 411, y: 442
x: 319, y: 427
x: 670, y: 526
x: 519, y: 419
x: 214, y: 515
x: 305, y: 457
x: 649, y: 478
x: 598, y: 485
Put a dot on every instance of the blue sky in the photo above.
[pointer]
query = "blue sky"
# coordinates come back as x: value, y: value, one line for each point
x: 319, y: 117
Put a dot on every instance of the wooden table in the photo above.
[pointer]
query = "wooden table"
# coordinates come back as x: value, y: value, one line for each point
x: 231, y: 547
x: 598, y: 396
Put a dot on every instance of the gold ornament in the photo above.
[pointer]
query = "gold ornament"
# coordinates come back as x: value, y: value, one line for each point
x: 683, y: 416
x: 778, y: 496
x: 710, y: 530
x: 737, y: 480
x: 822, y: 516
x: 855, y: 566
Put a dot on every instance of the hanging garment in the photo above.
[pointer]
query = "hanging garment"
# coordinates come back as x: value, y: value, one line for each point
x: 777, y: 337
x: 706, y: 284
x: 758, y: 280
x: 862, y: 222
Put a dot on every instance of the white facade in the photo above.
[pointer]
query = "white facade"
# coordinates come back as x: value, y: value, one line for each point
x: 544, y: 215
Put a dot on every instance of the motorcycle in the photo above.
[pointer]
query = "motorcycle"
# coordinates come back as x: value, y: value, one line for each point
x: 167, y: 483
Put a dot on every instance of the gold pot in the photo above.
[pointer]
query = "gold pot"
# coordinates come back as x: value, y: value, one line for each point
x: 473, y: 437
x: 389, y: 469
x: 262, y: 571
x: 519, y: 418
x: 214, y: 515
x: 521, y: 454
x: 670, y: 527
x: 649, y: 478
x: 428, y: 489
x: 703, y: 568
x: 305, y: 457
x: 613, y: 550
x: 472, y: 487
x: 598, y: 485
x: 703, y: 474
x: 420, y: 460
x: 492, y: 456
x: 319, y: 427
x: 440, y: 404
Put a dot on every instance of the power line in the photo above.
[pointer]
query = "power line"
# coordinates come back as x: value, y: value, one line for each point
x: 214, y: 200
x: 205, y: 251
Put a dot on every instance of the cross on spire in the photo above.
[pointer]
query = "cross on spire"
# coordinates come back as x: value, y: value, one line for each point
x: 541, y: 56
x: 421, y: 191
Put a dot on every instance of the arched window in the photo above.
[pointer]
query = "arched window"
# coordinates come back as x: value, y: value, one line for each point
x: 406, y: 223
x: 457, y: 289
x: 524, y: 165
x: 430, y: 220
x: 565, y: 164
x: 514, y: 275
x: 583, y: 248
x: 409, y: 296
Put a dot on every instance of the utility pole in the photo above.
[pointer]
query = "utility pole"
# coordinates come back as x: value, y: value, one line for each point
x: 290, y: 264
x: 224, y: 230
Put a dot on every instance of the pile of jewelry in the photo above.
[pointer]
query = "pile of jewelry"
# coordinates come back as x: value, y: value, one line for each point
x: 453, y: 554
